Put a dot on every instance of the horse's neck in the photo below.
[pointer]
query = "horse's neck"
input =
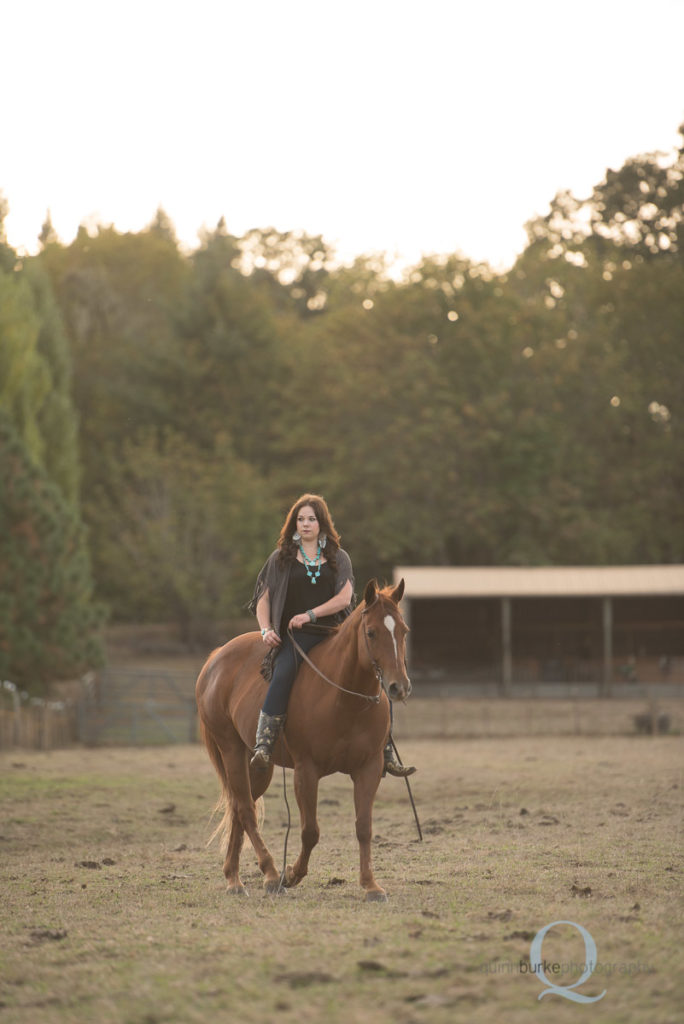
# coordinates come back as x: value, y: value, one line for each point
x: 345, y: 657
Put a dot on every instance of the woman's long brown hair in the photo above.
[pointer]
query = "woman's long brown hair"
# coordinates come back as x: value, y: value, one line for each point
x: 288, y: 548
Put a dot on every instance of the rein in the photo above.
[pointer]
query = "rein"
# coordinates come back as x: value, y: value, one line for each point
x: 372, y: 699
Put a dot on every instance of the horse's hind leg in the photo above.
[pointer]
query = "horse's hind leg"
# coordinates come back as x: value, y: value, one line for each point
x: 235, y: 759
x: 229, y: 756
x: 230, y: 828
x: 259, y: 782
x: 231, y: 865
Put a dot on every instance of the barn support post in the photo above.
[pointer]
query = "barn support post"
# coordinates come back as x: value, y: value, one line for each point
x: 607, y: 680
x: 506, y: 648
x: 405, y: 609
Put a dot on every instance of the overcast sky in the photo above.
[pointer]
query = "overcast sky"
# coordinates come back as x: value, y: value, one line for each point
x: 430, y: 126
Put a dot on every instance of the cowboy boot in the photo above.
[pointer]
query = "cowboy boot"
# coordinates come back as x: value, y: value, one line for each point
x: 268, y: 731
x: 393, y: 765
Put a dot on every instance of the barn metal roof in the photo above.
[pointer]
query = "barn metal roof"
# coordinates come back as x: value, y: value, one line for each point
x: 541, y: 581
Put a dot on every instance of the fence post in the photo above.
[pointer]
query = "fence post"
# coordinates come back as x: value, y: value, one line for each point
x: 47, y: 722
x: 507, y: 654
x: 607, y: 647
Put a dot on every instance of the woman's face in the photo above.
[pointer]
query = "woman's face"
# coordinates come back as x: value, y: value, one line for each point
x: 307, y: 523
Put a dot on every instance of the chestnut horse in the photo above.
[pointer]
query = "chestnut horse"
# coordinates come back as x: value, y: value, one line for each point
x: 335, y: 724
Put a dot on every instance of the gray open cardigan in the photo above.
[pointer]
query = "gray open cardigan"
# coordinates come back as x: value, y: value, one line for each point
x: 274, y: 577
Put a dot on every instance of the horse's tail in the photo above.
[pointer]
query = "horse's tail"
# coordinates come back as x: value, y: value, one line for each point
x: 224, y: 804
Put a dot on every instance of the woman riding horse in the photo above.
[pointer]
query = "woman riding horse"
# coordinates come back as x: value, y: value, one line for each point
x: 339, y: 721
x: 308, y: 580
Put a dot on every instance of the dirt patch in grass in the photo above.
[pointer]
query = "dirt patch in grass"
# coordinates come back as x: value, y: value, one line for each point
x: 114, y: 909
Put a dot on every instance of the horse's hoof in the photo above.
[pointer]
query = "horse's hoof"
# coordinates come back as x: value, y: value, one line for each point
x: 289, y: 878
x: 275, y: 888
x: 237, y: 890
x: 376, y: 896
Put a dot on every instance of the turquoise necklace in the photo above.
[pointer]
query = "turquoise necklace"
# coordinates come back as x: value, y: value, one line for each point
x: 312, y: 563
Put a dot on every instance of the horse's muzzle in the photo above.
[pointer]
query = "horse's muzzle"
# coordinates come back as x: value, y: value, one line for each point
x: 399, y: 691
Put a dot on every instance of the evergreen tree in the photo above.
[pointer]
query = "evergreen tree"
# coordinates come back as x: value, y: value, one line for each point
x: 48, y: 235
x: 24, y: 375
x: 57, y: 418
x: 8, y: 257
x: 49, y: 624
x: 35, y: 375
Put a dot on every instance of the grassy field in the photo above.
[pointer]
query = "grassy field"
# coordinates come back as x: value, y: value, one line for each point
x: 113, y: 907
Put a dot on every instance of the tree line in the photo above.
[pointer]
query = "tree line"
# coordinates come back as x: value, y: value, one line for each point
x: 160, y: 410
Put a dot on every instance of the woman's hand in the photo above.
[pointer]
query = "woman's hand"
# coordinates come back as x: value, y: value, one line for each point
x: 271, y: 638
x: 297, y: 621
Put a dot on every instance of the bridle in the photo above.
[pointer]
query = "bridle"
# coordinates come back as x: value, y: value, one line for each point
x: 371, y: 698
x: 374, y: 662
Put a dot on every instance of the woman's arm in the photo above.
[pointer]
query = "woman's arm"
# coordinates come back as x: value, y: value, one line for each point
x: 263, y: 614
x: 335, y: 604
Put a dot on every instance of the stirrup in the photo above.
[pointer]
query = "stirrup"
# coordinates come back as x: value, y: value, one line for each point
x: 261, y: 758
x: 393, y: 765
x: 268, y: 730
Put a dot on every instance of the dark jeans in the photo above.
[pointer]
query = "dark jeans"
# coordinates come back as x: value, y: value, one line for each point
x: 285, y: 669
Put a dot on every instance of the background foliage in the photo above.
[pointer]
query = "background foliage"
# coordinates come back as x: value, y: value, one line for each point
x: 180, y: 401
x: 48, y: 618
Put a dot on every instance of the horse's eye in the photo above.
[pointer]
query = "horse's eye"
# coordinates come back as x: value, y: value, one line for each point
x: 370, y: 634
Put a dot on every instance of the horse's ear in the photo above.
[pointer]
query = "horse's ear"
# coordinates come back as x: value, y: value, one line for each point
x: 398, y: 592
x: 371, y: 592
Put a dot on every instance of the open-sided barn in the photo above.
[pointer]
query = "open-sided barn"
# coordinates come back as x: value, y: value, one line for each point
x: 600, y: 627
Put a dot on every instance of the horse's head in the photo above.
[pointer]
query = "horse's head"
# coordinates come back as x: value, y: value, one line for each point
x: 382, y: 639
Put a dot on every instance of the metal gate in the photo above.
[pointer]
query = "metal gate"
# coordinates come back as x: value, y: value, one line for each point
x: 138, y: 708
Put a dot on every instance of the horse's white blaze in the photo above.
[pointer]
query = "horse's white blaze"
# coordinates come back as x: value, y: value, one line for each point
x: 391, y: 625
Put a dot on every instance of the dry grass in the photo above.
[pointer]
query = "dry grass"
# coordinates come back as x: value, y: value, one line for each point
x: 114, y: 909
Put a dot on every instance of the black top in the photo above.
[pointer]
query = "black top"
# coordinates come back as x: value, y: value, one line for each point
x: 273, y: 580
x: 302, y: 594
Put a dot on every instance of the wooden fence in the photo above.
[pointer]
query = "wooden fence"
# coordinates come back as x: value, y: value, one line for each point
x: 33, y: 723
x: 134, y: 708
x: 124, y: 708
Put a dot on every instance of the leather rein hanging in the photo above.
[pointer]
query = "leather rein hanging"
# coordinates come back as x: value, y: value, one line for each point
x: 372, y: 699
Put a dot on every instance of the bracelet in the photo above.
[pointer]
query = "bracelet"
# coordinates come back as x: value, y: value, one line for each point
x: 312, y: 615
x: 266, y: 629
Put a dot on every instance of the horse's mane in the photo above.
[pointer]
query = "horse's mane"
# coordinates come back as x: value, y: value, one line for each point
x: 357, y: 612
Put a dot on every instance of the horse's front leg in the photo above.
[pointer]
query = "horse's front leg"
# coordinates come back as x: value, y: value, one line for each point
x: 306, y: 792
x: 366, y: 782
